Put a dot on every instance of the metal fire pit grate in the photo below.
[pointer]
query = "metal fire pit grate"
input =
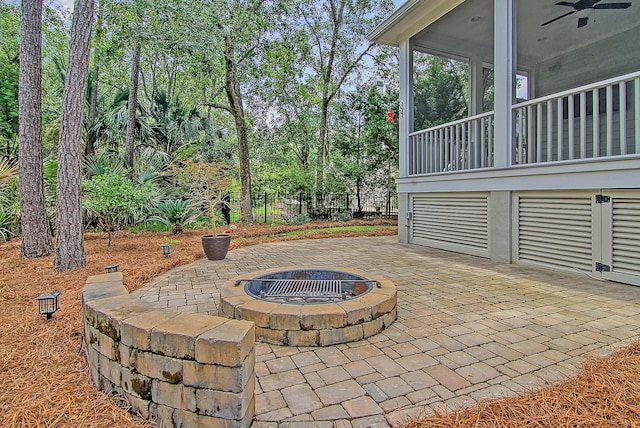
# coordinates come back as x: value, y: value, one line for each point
x: 308, y: 290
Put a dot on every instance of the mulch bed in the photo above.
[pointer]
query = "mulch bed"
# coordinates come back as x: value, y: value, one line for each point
x: 44, y: 379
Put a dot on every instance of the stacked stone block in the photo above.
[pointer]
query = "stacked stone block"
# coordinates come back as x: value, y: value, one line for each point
x: 184, y: 370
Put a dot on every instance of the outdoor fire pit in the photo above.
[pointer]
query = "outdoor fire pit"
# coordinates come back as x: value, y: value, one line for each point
x: 307, y: 286
x: 310, y: 307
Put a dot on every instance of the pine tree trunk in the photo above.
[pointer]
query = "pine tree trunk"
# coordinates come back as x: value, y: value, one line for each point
x: 234, y: 95
x: 36, y: 235
x: 90, y: 149
x: 70, y: 242
x: 322, y: 145
x: 129, y: 145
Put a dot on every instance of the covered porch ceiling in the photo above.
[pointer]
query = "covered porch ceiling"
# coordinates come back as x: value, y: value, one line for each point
x: 464, y: 28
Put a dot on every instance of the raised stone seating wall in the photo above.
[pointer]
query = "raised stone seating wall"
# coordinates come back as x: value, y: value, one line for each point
x: 183, y: 370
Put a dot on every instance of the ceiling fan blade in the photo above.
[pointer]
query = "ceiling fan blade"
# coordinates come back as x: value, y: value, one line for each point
x: 559, y: 17
x: 612, y: 6
x: 566, y: 3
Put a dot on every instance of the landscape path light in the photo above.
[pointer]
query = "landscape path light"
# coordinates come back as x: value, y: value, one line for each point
x: 48, y: 303
x: 112, y: 268
x: 166, y: 249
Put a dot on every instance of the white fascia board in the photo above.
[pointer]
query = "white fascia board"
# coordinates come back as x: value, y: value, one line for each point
x: 612, y: 173
x: 410, y: 18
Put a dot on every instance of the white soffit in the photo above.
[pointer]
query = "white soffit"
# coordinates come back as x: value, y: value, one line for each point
x: 411, y: 18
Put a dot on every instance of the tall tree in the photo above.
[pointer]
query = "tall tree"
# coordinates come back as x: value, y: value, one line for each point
x: 366, y: 141
x: 36, y: 235
x: 129, y: 145
x: 236, y: 107
x: 89, y: 149
x: 337, y: 30
x: 9, y: 78
x: 69, y: 251
x: 241, y: 28
x: 440, y: 94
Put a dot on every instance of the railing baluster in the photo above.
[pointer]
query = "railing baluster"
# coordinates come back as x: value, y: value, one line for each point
x: 456, y: 164
x: 436, y: 144
x: 560, y: 129
x: 571, y: 125
x: 419, y: 146
x: 519, y: 135
x: 539, y: 132
x: 476, y: 144
x: 447, y: 150
x: 549, y: 131
x: 440, y: 160
x: 583, y: 125
x: 637, y: 114
x: 483, y: 144
x: 432, y: 151
x: 422, y: 153
x: 427, y: 151
x: 596, y: 123
x: 491, y: 141
x: 610, y: 120
x: 412, y: 155
x: 530, y: 136
x: 465, y: 145
x: 416, y: 153
x: 623, y: 117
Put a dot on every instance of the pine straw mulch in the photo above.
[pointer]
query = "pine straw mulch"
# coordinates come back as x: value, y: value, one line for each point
x: 44, y: 380
x: 604, y: 393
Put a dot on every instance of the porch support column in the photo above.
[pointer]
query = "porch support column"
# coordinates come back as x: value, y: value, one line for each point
x: 405, y: 118
x: 500, y: 219
x: 504, y: 81
x: 500, y: 226
x: 405, y: 115
x: 476, y: 89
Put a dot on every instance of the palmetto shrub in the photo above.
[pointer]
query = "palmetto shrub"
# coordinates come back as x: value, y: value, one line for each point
x: 175, y: 213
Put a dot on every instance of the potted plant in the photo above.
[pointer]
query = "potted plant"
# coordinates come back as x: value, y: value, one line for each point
x: 208, y: 182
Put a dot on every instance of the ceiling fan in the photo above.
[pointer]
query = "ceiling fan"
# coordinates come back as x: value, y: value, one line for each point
x: 586, y: 4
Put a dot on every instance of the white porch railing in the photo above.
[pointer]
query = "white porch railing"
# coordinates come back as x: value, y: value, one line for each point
x: 571, y: 126
x: 461, y: 145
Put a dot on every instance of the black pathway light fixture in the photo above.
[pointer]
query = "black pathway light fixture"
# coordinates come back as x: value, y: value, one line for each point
x: 166, y: 249
x: 48, y: 303
x: 112, y: 268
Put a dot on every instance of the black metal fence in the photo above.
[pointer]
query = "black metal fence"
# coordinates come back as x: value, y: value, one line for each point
x: 303, y: 207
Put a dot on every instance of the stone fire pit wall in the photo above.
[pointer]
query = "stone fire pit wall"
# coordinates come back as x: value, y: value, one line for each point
x: 180, y: 369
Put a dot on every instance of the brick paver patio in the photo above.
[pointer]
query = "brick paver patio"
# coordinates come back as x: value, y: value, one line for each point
x: 467, y: 328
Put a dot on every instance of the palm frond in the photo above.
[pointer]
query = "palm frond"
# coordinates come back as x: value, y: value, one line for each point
x: 8, y: 170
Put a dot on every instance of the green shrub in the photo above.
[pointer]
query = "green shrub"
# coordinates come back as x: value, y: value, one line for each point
x: 298, y: 219
x: 7, y: 221
x: 112, y: 200
x: 343, y: 216
x: 175, y: 213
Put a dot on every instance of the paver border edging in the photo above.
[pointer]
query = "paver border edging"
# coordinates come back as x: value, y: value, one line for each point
x: 180, y: 369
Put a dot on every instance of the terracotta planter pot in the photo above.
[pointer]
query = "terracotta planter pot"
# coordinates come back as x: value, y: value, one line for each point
x: 216, y: 247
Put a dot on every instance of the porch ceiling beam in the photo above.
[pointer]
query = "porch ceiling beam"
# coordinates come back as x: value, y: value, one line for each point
x: 411, y: 18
